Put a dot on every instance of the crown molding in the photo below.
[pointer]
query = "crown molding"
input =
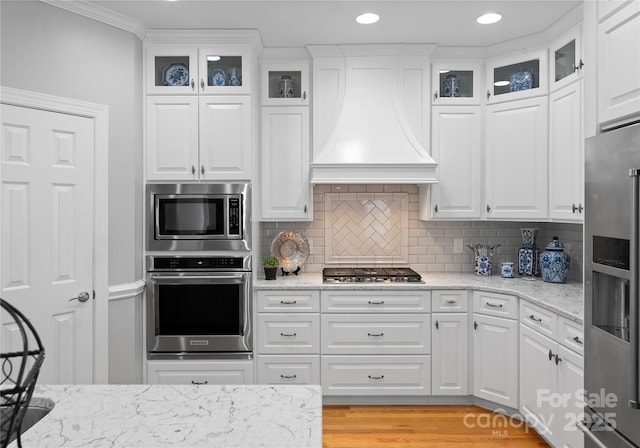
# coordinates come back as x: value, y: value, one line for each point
x: 101, y: 14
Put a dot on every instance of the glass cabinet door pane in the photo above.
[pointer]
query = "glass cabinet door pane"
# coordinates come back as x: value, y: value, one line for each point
x: 285, y: 84
x: 564, y: 60
x: 516, y: 77
x: 224, y: 71
x: 456, y: 83
x: 171, y: 71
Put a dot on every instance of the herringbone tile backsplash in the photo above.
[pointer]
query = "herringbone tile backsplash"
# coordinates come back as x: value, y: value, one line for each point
x: 378, y: 224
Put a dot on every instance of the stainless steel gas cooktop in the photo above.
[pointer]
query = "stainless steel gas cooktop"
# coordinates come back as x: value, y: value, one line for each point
x: 370, y: 275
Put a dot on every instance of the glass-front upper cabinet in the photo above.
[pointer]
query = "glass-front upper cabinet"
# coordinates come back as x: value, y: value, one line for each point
x: 566, y: 58
x: 519, y: 76
x: 224, y: 70
x: 284, y: 83
x: 171, y: 70
x: 456, y: 82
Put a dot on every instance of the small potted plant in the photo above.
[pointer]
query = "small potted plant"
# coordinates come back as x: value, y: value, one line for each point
x: 270, y: 265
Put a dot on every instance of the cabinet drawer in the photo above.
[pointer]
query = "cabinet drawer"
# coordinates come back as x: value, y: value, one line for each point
x: 376, y: 375
x: 288, y: 333
x: 372, y: 334
x: 571, y: 334
x: 494, y: 304
x: 376, y: 302
x: 297, y: 369
x: 542, y: 320
x: 200, y: 372
x: 450, y: 301
x: 289, y: 301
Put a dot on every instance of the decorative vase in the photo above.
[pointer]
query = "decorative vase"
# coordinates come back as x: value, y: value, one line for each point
x: 554, y: 262
x: 451, y: 86
x: 507, y: 269
x: 528, y: 255
x: 287, y: 87
x: 270, y: 272
x: 234, y: 80
x: 483, y: 266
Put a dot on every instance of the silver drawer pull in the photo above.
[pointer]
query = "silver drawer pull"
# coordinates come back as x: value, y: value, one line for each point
x: 451, y: 301
x: 381, y: 377
x: 494, y: 305
x: 376, y: 303
x: 288, y: 335
x: 535, y: 319
x: 288, y: 302
x: 288, y: 377
x: 377, y: 335
x: 577, y: 340
x: 199, y: 383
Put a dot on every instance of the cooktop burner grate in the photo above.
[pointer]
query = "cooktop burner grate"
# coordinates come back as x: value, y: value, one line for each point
x: 370, y: 275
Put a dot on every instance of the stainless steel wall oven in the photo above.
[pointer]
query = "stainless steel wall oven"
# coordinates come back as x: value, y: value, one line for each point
x: 199, y: 307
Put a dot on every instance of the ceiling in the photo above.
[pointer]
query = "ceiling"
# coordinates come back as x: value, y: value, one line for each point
x: 297, y: 23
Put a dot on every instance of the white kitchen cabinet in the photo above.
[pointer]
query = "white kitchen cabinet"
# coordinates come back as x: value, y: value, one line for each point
x: 376, y: 302
x: 200, y: 372
x: 566, y: 154
x: 199, y: 138
x: 286, y: 190
x: 456, y: 83
x: 495, y: 359
x: 517, y: 76
x: 288, y: 336
x: 551, y: 378
x: 173, y: 68
x: 277, y: 75
x: 566, y: 62
x: 456, y: 143
x: 495, y: 347
x: 450, y: 300
x: 517, y: 160
x: 450, y: 354
x: 618, y: 67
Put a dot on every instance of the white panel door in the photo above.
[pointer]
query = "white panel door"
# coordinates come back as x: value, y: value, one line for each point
x: 565, y: 154
x: 495, y: 359
x: 450, y: 352
x: 517, y: 155
x: 457, y: 146
x: 47, y: 235
x: 225, y: 138
x: 172, y: 138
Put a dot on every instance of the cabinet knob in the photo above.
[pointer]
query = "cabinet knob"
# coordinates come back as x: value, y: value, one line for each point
x: 558, y: 359
x: 371, y: 377
x: 580, y: 208
x: 435, y: 95
x: 435, y: 208
x: 488, y: 208
x: 288, y: 377
x: 305, y: 209
x: 202, y: 169
x: 437, y: 325
x: 304, y: 95
x: 198, y: 383
x: 475, y: 325
x: 193, y: 169
x: 578, y: 66
x: 488, y: 94
x: 573, y: 208
x: 551, y: 355
x: 202, y: 84
x: 193, y: 84
x: 577, y: 340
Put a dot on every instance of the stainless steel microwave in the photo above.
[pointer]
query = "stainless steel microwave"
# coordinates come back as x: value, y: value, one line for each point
x: 183, y: 217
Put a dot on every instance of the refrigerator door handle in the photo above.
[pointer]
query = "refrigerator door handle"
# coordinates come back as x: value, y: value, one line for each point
x: 634, y: 401
x: 582, y: 426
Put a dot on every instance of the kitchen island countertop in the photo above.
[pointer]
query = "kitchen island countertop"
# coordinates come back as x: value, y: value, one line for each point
x: 565, y: 299
x: 148, y: 416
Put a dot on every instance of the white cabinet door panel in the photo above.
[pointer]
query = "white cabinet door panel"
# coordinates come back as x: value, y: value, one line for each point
x: 450, y: 354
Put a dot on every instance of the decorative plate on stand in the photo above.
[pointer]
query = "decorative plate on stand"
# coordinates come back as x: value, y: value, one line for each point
x: 291, y: 249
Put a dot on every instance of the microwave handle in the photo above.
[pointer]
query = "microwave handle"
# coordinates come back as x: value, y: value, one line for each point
x: 634, y: 400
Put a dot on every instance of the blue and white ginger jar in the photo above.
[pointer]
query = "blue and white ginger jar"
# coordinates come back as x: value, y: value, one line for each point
x: 554, y: 262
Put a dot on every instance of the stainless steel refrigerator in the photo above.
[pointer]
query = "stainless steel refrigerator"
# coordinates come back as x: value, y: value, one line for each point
x: 612, y: 311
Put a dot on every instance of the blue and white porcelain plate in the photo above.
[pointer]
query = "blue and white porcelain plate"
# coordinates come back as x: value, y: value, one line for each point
x: 521, y: 80
x: 176, y: 74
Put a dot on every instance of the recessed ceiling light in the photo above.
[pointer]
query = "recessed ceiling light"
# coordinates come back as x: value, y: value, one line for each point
x: 501, y: 83
x: 490, y: 17
x: 367, y: 18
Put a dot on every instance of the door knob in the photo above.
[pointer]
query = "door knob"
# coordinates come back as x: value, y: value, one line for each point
x: 82, y: 297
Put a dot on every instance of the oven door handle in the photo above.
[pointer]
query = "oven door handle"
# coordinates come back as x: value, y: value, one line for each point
x: 159, y: 277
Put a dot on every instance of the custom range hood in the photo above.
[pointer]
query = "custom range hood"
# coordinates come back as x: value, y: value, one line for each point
x: 371, y: 114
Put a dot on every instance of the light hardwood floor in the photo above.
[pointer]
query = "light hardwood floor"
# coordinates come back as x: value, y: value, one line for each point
x: 421, y: 427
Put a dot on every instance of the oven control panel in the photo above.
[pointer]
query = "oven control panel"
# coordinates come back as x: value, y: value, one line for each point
x: 197, y: 263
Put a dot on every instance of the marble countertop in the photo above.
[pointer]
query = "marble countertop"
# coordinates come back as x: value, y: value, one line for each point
x: 147, y: 416
x: 565, y: 299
